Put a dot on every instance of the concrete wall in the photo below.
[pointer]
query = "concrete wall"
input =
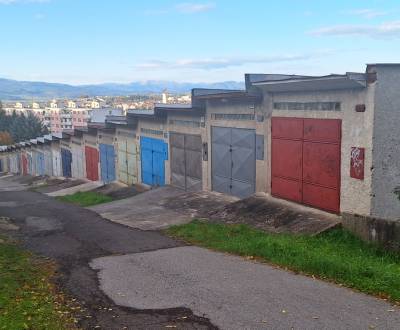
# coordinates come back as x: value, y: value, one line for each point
x: 65, y: 144
x: 106, y: 137
x: 355, y: 195
x: 386, y: 151
x: 382, y: 231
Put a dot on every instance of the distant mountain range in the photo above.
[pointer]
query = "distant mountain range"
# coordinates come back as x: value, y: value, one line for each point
x: 24, y: 90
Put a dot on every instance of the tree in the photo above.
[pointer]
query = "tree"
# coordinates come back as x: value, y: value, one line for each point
x: 5, y: 139
x: 21, y: 127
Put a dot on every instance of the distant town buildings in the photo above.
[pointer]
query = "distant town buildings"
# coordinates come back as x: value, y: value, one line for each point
x: 66, y: 115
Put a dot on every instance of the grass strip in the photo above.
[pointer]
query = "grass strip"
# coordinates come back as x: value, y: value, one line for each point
x: 88, y: 198
x: 336, y: 255
x: 28, y: 299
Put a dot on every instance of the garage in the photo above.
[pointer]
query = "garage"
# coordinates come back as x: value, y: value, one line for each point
x: 306, y: 161
x: 154, y: 153
x: 24, y: 162
x: 233, y: 163
x: 107, y: 162
x: 56, y: 158
x: 48, y: 160
x: 66, y: 160
x: 92, y: 163
x: 127, y: 160
x: 40, y: 163
x: 77, y: 166
x: 186, y: 161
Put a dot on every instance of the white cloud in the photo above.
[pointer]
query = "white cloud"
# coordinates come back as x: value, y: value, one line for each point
x: 367, y: 13
x: 190, y: 8
x: 221, y: 62
x: 382, y: 31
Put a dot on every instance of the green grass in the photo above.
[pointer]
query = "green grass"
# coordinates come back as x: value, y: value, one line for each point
x: 87, y: 198
x: 28, y: 300
x: 336, y: 255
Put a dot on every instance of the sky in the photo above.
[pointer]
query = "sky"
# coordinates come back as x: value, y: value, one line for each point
x: 92, y: 41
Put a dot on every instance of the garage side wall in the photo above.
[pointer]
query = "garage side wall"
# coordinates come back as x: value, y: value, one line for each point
x: 355, y: 194
x: 386, y: 151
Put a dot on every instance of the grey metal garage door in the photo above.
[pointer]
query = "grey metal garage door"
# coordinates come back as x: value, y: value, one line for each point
x: 186, y: 161
x: 233, y: 160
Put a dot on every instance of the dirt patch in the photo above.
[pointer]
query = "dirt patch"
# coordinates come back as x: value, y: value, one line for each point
x: 55, y: 184
x: 7, y: 225
x: 28, y: 179
x: 202, y: 204
x: 259, y: 212
x: 120, y: 191
x: 274, y: 216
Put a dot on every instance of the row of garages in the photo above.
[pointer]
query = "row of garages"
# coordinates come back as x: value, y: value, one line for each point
x: 310, y: 140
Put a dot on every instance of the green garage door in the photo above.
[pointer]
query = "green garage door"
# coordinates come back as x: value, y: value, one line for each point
x: 127, y: 161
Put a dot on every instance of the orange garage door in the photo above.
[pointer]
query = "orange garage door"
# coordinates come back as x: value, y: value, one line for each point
x: 306, y: 161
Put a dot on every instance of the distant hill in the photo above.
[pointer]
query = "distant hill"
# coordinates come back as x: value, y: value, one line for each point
x: 20, y: 90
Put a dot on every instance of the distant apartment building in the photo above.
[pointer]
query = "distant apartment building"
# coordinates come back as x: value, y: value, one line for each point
x: 58, y: 115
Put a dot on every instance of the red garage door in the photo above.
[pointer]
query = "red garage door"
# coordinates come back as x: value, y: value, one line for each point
x: 92, y: 163
x: 306, y: 161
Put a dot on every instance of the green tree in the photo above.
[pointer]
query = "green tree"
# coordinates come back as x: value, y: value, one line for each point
x: 21, y: 127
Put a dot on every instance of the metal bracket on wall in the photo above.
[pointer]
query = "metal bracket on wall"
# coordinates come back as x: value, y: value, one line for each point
x: 205, y: 151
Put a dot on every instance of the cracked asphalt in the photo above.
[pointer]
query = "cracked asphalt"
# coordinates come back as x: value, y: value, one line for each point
x: 127, y: 278
x: 73, y: 236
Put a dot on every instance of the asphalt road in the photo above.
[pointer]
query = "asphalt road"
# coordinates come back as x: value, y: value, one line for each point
x: 238, y: 294
x: 73, y: 236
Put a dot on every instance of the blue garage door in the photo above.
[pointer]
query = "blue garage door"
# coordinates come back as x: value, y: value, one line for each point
x: 40, y: 163
x: 66, y: 159
x: 1, y: 165
x: 107, y: 162
x: 154, y: 152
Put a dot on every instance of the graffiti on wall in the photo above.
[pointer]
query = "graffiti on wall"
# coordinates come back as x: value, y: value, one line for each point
x: 357, y: 163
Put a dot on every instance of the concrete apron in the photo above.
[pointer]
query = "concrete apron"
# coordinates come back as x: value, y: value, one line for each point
x: 80, y: 188
x: 144, y: 211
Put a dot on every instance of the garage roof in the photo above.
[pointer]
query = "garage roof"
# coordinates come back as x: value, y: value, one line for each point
x: 204, y: 94
x: 285, y: 83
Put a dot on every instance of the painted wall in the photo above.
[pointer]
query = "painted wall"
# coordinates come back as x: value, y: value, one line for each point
x: 386, y: 151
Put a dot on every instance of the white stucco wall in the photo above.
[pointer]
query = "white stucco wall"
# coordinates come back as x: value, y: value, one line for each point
x: 355, y: 195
